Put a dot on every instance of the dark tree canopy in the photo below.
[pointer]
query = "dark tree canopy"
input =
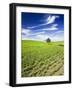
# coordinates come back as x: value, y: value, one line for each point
x: 48, y: 40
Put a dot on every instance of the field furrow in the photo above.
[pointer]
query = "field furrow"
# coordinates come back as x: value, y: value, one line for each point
x: 42, y: 59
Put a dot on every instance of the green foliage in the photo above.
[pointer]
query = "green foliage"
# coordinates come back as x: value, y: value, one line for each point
x: 48, y: 40
x: 42, y: 59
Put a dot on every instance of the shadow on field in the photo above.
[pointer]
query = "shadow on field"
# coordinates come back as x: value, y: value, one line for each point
x: 61, y: 45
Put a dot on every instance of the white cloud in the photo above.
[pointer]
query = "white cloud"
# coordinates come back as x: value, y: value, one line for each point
x: 58, y: 32
x: 49, y: 20
x: 36, y: 26
x: 58, y: 36
x: 37, y: 33
x: 29, y: 35
x: 30, y: 32
x: 53, y: 27
x: 26, y: 31
x: 41, y: 37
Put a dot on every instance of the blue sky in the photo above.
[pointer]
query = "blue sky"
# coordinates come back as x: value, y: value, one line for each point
x: 40, y: 26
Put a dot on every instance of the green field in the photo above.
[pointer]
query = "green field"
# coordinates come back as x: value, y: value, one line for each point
x: 42, y: 59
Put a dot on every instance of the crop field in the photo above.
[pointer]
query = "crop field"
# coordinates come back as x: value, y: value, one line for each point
x: 42, y: 59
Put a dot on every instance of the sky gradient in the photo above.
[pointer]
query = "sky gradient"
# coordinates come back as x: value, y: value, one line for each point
x: 40, y: 26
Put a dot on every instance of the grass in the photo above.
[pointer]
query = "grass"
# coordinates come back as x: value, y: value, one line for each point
x: 42, y: 59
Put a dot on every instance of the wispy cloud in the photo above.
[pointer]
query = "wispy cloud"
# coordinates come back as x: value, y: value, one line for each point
x: 30, y: 32
x: 25, y: 32
x: 48, y: 28
x: 58, y: 36
x: 52, y: 27
x: 58, y: 32
x: 38, y: 37
x: 37, y: 33
x: 30, y: 35
x: 49, y: 20
x: 42, y: 35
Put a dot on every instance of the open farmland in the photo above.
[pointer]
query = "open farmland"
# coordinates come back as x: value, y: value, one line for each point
x: 42, y: 59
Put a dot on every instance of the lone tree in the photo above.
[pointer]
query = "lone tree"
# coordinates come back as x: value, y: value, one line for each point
x: 48, y: 40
